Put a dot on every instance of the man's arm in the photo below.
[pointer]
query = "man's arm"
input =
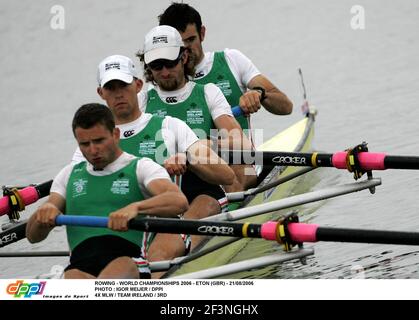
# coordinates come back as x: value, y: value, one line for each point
x: 274, y: 101
x: 249, y: 77
x: 167, y: 201
x: 245, y: 175
x: 204, y: 162
x: 207, y: 165
x: 43, y: 220
x: 230, y: 131
x: 232, y: 136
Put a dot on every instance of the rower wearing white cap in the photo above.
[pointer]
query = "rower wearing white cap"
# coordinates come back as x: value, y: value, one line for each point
x: 203, y: 107
x: 168, y: 141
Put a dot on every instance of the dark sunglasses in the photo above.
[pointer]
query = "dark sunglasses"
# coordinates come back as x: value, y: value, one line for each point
x: 158, y: 65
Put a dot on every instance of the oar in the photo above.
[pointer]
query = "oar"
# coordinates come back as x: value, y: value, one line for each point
x: 340, y: 160
x: 248, y: 264
x: 241, y: 195
x: 16, y: 201
x: 237, y: 111
x: 170, y: 225
x: 15, y: 231
x: 295, y: 200
x: 19, y: 198
x: 290, y: 232
x: 301, y: 232
x: 34, y: 254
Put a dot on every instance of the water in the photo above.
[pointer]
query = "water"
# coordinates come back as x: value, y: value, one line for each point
x: 365, y: 84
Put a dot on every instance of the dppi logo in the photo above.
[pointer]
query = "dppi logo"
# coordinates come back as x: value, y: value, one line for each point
x: 27, y: 290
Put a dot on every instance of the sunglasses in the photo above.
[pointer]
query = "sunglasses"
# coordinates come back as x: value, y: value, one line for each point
x: 158, y: 65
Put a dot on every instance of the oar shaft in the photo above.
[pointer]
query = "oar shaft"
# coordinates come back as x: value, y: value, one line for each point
x: 29, y: 195
x: 277, y: 158
x: 194, y: 227
x: 339, y: 160
x: 301, y: 232
x: 271, y: 230
x: 34, y: 254
x: 401, y: 162
x: 168, y: 225
x: 15, y: 233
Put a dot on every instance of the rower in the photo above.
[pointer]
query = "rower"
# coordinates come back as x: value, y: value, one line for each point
x: 202, y: 107
x: 235, y: 74
x: 168, y: 141
x: 110, y: 183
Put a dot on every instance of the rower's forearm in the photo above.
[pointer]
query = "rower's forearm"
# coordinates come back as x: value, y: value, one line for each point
x: 235, y: 143
x: 214, y: 173
x: 168, y: 204
x: 277, y: 102
x: 36, y: 232
x: 208, y: 166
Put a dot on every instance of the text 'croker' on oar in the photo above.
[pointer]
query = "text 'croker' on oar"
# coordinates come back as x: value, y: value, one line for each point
x: 288, y: 232
x: 353, y: 160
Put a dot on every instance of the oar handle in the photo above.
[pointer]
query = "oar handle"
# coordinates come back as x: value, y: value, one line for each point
x: 86, y: 221
x: 237, y: 111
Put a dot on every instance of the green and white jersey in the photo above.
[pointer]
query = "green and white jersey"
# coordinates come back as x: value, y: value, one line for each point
x: 231, y: 71
x: 196, y: 105
x: 150, y: 137
x: 89, y: 192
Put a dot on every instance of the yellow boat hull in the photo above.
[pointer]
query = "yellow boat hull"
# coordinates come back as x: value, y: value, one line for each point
x: 296, y: 138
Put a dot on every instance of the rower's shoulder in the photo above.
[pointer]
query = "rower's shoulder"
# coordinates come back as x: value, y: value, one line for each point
x: 211, y: 89
x: 173, y: 124
x: 233, y: 54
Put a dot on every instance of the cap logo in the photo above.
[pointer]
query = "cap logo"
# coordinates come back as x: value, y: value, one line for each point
x: 160, y: 39
x: 113, y: 65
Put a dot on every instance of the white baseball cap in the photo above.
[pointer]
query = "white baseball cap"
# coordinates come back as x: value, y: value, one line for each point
x: 162, y: 42
x: 116, y: 67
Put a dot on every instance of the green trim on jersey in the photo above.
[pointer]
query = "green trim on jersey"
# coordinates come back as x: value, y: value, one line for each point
x: 99, y: 196
x: 221, y: 75
x: 194, y: 110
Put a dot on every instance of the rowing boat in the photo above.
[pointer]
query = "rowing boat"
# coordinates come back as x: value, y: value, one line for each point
x: 296, y: 138
x: 278, y: 190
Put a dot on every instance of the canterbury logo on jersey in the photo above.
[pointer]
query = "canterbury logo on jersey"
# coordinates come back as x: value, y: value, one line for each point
x: 200, y: 74
x: 171, y: 99
x: 128, y: 133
